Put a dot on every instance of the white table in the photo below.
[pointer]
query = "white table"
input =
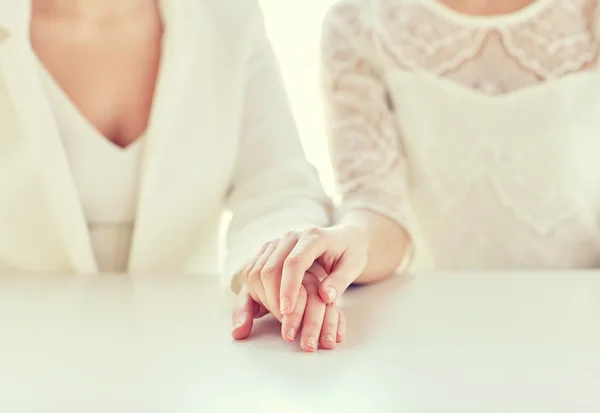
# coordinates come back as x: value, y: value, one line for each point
x: 496, y: 342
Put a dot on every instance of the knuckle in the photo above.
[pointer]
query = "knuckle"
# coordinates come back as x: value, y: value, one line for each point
x: 290, y: 235
x: 315, y: 232
x: 269, y: 272
x: 292, y: 261
x: 254, y: 275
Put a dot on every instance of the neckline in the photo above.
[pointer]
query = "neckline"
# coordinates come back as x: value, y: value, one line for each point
x: 98, y: 136
x: 164, y: 11
x: 525, y: 13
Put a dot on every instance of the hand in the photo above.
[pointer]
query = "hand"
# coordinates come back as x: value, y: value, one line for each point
x: 244, y: 314
x: 277, y: 272
x: 319, y: 322
x: 262, y: 275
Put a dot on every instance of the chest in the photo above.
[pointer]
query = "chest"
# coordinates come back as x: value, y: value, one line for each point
x: 110, y: 76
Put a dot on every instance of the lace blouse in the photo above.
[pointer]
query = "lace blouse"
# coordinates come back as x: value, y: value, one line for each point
x: 479, y: 134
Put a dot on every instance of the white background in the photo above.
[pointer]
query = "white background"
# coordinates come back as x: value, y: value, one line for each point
x: 295, y: 29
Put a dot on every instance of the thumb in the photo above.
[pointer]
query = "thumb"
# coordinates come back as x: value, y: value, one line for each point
x: 344, y: 274
x: 243, y: 315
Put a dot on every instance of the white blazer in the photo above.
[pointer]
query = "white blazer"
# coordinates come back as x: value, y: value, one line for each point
x: 223, y: 138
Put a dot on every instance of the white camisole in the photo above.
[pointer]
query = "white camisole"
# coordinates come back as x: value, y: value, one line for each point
x: 106, y: 177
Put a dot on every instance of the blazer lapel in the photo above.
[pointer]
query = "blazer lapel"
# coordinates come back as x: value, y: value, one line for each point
x: 53, y: 219
x: 160, y: 240
x: 42, y: 154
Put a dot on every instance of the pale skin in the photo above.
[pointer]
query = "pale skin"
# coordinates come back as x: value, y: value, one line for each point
x: 105, y: 55
x: 361, y: 248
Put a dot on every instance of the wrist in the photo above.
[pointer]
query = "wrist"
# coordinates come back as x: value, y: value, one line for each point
x: 387, y: 242
x: 355, y: 233
x: 360, y: 222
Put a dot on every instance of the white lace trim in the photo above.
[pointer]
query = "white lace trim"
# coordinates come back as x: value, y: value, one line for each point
x: 558, y: 41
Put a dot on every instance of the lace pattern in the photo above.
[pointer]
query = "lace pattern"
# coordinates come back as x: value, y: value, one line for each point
x: 492, y: 59
x: 361, y: 122
x: 361, y: 37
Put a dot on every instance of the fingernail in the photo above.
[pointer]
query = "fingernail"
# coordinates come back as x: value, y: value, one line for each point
x: 331, y: 293
x: 237, y: 325
x: 329, y: 339
x: 291, y: 334
x: 285, y: 305
x: 312, y: 343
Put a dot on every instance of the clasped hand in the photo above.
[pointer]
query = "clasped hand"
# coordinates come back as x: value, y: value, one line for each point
x: 298, y: 279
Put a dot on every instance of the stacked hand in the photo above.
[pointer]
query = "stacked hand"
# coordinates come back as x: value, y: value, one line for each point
x: 298, y: 279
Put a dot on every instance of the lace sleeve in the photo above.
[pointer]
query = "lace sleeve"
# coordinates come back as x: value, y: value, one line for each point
x: 364, y: 142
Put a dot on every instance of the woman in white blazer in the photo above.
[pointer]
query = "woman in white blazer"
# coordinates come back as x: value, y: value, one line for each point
x: 127, y: 128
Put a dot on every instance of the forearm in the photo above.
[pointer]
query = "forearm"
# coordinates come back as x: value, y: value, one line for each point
x: 389, y: 245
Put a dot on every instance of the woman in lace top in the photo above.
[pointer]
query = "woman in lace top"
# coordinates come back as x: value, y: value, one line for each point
x: 473, y: 126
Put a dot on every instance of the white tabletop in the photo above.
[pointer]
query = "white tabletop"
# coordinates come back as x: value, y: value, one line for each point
x: 496, y: 342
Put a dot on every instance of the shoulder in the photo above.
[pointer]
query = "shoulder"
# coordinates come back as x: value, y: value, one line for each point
x: 351, y: 21
x: 348, y: 28
x: 349, y: 13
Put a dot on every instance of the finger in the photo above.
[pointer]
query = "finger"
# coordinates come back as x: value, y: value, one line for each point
x: 330, y: 326
x: 252, y: 262
x: 246, y: 274
x: 312, y: 322
x: 292, y: 323
x: 254, y: 276
x: 262, y: 311
x: 307, y: 250
x: 271, y: 274
x: 252, y: 293
x: 344, y: 274
x: 243, y: 315
x: 341, y: 328
x: 318, y: 271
